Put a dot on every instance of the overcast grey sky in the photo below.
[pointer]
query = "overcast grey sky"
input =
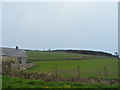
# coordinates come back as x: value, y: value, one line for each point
x: 53, y: 25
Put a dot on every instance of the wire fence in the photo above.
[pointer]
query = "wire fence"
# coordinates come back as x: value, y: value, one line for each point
x: 78, y: 72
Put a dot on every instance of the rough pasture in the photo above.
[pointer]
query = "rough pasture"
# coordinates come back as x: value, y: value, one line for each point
x: 56, y: 55
x: 90, y: 66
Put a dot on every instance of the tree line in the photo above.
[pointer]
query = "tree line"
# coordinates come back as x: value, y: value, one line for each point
x: 88, y: 52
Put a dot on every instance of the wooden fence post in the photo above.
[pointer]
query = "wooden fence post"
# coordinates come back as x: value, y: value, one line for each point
x: 106, y: 74
x: 78, y: 69
x: 56, y: 73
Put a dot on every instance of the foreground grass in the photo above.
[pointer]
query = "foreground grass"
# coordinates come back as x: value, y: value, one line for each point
x: 88, y: 68
x: 0, y: 82
x: 9, y: 82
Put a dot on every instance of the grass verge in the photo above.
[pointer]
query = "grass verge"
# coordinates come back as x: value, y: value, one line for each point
x: 10, y: 82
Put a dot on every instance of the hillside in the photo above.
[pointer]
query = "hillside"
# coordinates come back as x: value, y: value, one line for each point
x: 66, y: 55
x: 90, y: 65
x: 45, y: 55
x: 88, y: 52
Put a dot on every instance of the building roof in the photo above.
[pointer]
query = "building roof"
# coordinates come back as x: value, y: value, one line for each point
x: 13, y: 52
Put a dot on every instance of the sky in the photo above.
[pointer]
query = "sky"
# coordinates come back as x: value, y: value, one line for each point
x: 62, y: 25
x: 0, y: 24
x: 60, y: 0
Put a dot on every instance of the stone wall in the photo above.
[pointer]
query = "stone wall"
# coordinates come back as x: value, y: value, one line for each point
x: 27, y: 65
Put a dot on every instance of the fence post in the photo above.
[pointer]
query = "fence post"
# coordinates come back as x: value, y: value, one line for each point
x: 78, y: 69
x: 56, y: 73
x: 106, y: 74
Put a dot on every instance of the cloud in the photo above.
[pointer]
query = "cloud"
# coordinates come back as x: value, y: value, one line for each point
x: 61, y: 25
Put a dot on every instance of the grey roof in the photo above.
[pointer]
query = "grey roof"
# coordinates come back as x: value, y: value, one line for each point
x: 12, y: 52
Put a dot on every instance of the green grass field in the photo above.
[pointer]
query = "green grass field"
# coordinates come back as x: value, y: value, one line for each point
x: 9, y: 82
x: 92, y: 66
x: 55, y: 55
x: 88, y: 68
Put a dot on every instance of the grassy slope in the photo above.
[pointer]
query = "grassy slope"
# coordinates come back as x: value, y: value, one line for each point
x: 88, y: 68
x: 92, y: 67
x: 54, y: 55
x: 9, y: 82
